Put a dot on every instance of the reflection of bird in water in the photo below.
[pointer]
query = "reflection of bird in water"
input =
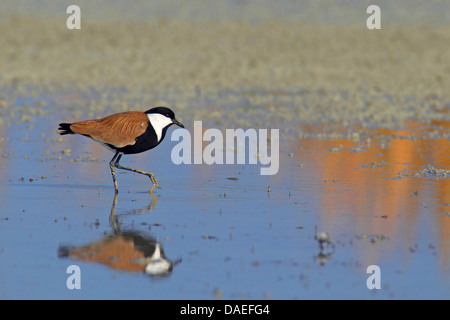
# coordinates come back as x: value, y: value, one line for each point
x: 114, y: 219
x: 128, y: 250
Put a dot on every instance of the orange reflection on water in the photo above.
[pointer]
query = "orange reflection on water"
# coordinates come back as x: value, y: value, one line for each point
x: 361, y: 180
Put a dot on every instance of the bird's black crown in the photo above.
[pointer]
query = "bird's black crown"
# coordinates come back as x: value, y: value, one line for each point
x: 162, y: 110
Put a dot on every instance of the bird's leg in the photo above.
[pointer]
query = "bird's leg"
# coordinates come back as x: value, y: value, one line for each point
x: 112, y: 164
x: 145, y: 173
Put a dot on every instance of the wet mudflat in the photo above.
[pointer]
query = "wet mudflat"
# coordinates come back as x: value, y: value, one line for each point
x: 364, y: 151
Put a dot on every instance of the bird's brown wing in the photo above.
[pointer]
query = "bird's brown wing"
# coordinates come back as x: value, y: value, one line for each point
x: 119, y: 130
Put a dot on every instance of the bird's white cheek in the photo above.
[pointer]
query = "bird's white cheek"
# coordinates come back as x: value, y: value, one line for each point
x: 159, y: 122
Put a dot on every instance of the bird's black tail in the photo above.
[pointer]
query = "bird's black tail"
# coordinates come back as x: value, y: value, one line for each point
x: 65, y: 129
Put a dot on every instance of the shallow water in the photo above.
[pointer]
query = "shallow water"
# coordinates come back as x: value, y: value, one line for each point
x: 374, y: 192
x: 228, y: 238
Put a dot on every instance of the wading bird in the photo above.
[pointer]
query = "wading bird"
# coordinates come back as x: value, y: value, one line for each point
x: 126, y: 133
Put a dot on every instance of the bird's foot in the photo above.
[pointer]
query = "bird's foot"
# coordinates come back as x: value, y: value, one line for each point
x: 155, y: 182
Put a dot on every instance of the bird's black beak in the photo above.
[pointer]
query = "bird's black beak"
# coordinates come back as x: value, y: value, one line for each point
x: 178, y: 123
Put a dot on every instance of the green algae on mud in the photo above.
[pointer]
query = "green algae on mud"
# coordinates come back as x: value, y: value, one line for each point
x: 271, y: 73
